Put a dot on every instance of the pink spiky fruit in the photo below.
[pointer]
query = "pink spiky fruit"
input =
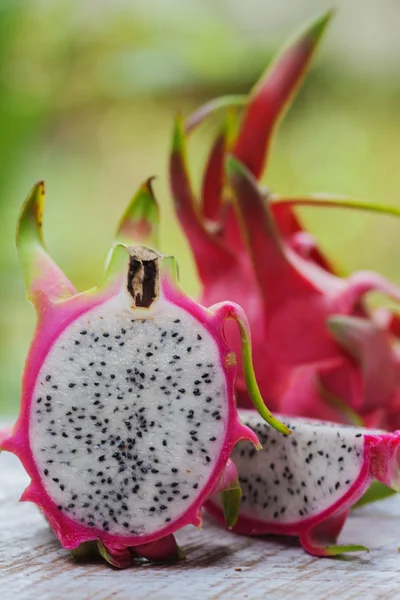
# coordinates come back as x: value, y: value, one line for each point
x: 128, y: 414
x: 304, y: 484
x: 317, y: 344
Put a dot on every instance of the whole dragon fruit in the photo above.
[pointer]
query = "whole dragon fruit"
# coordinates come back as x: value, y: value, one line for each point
x: 319, y: 350
x: 305, y: 484
x: 128, y: 414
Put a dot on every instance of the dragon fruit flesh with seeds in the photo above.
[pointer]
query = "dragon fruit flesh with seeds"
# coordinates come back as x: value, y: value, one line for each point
x: 319, y: 350
x: 305, y: 484
x: 128, y: 414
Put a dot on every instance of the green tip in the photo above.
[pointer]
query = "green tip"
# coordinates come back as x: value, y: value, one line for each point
x: 181, y: 553
x: 226, y: 103
x: 377, y: 491
x: 249, y: 375
x: 85, y: 551
x: 234, y: 167
x: 117, y: 265
x: 140, y: 222
x: 230, y: 127
x: 170, y: 269
x: 230, y: 500
x: 29, y: 228
x: 178, y: 137
x: 337, y: 550
x: 316, y: 29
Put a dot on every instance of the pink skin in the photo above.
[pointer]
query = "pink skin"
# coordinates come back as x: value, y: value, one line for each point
x: 53, y: 320
x: 316, y: 534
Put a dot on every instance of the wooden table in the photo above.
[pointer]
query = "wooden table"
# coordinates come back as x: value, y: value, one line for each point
x: 219, y: 564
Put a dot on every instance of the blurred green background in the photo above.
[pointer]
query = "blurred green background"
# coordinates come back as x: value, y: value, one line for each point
x: 88, y: 90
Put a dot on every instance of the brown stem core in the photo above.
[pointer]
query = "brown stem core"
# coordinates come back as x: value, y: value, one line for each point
x: 143, y: 278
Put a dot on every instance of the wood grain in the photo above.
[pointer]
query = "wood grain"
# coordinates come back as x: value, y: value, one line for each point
x: 32, y: 564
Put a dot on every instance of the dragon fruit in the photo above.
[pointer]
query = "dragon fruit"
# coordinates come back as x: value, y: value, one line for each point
x: 319, y: 350
x: 305, y: 484
x: 128, y: 414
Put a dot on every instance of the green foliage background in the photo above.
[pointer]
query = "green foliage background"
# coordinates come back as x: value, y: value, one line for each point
x: 87, y: 95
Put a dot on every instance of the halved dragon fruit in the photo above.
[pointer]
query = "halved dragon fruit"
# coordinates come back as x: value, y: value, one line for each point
x: 128, y: 413
x: 320, y: 351
x: 304, y: 484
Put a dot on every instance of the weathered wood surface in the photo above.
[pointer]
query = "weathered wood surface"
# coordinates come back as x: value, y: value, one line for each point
x: 219, y: 564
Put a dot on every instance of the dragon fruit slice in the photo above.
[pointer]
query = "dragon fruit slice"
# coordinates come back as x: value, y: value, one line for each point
x: 128, y: 413
x: 305, y: 484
